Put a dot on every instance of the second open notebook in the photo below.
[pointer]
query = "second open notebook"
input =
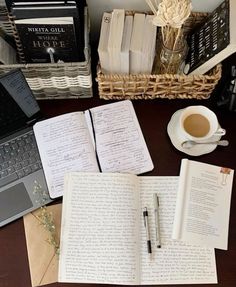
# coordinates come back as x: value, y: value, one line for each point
x: 103, y: 236
x: 106, y: 138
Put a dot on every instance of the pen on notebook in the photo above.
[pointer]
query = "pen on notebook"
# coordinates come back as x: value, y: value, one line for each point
x: 146, y: 225
x: 157, y: 220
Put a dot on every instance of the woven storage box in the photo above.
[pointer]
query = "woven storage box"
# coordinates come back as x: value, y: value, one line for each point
x: 151, y: 86
x: 52, y: 81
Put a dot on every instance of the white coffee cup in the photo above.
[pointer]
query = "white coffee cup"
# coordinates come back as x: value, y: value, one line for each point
x: 198, y: 123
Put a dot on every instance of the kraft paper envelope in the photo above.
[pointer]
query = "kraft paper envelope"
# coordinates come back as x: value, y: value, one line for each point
x: 43, y: 261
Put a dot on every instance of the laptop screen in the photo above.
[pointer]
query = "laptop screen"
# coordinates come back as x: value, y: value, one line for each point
x: 18, y: 106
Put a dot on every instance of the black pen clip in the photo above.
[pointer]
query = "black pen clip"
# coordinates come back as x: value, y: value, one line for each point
x: 145, y: 214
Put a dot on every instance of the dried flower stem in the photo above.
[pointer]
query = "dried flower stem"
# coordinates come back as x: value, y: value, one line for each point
x: 170, y: 15
x: 152, y: 7
x: 47, y: 220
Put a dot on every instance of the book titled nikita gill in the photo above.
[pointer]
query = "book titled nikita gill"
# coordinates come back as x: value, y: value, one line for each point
x: 49, y: 40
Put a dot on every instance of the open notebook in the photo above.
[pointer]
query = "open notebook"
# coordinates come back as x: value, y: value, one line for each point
x: 103, y: 236
x: 107, y: 138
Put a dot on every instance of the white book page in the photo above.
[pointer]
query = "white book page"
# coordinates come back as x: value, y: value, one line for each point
x: 175, y: 262
x: 100, y: 229
x: 119, y: 140
x: 64, y: 145
x: 205, y: 216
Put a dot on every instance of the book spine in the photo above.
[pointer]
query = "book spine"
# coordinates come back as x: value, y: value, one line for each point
x: 179, y: 209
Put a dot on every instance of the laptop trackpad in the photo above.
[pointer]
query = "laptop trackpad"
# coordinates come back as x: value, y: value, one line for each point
x: 13, y: 201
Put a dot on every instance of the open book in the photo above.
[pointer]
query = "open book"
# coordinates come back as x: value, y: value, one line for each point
x: 103, y: 236
x: 106, y: 138
x: 203, y: 204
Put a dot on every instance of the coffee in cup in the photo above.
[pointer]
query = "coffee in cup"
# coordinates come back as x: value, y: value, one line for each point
x: 199, y: 123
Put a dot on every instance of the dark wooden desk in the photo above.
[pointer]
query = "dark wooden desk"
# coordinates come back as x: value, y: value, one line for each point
x: 153, y: 116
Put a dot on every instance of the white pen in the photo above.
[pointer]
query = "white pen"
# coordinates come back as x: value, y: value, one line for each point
x: 157, y: 220
x: 146, y: 224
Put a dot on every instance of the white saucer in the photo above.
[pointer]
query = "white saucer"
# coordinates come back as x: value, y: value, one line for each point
x: 176, y: 139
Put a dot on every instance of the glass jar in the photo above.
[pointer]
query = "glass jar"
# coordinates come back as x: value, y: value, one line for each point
x: 169, y: 61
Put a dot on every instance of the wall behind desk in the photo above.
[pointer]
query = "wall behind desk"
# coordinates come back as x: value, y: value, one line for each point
x: 97, y: 7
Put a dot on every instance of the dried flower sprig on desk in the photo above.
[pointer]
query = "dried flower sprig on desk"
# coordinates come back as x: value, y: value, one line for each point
x: 46, y: 218
x: 40, y: 193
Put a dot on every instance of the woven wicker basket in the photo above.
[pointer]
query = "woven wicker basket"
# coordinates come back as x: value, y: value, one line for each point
x: 52, y: 81
x: 142, y: 86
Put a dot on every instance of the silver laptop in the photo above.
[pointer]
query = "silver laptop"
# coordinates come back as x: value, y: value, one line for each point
x: 22, y: 183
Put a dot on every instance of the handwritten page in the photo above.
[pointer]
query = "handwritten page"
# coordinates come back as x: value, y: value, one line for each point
x: 103, y: 237
x: 100, y: 229
x: 203, y: 204
x: 175, y: 262
x: 106, y: 138
x: 119, y: 140
x: 64, y: 145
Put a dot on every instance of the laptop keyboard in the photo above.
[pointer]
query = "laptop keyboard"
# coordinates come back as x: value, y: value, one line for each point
x: 18, y: 157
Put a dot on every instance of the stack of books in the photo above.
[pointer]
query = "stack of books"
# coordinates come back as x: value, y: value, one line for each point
x: 127, y: 43
x: 50, y: 31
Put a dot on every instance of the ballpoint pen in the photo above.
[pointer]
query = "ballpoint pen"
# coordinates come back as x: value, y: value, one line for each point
x: 146, y: 225
x: 157, y: 220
